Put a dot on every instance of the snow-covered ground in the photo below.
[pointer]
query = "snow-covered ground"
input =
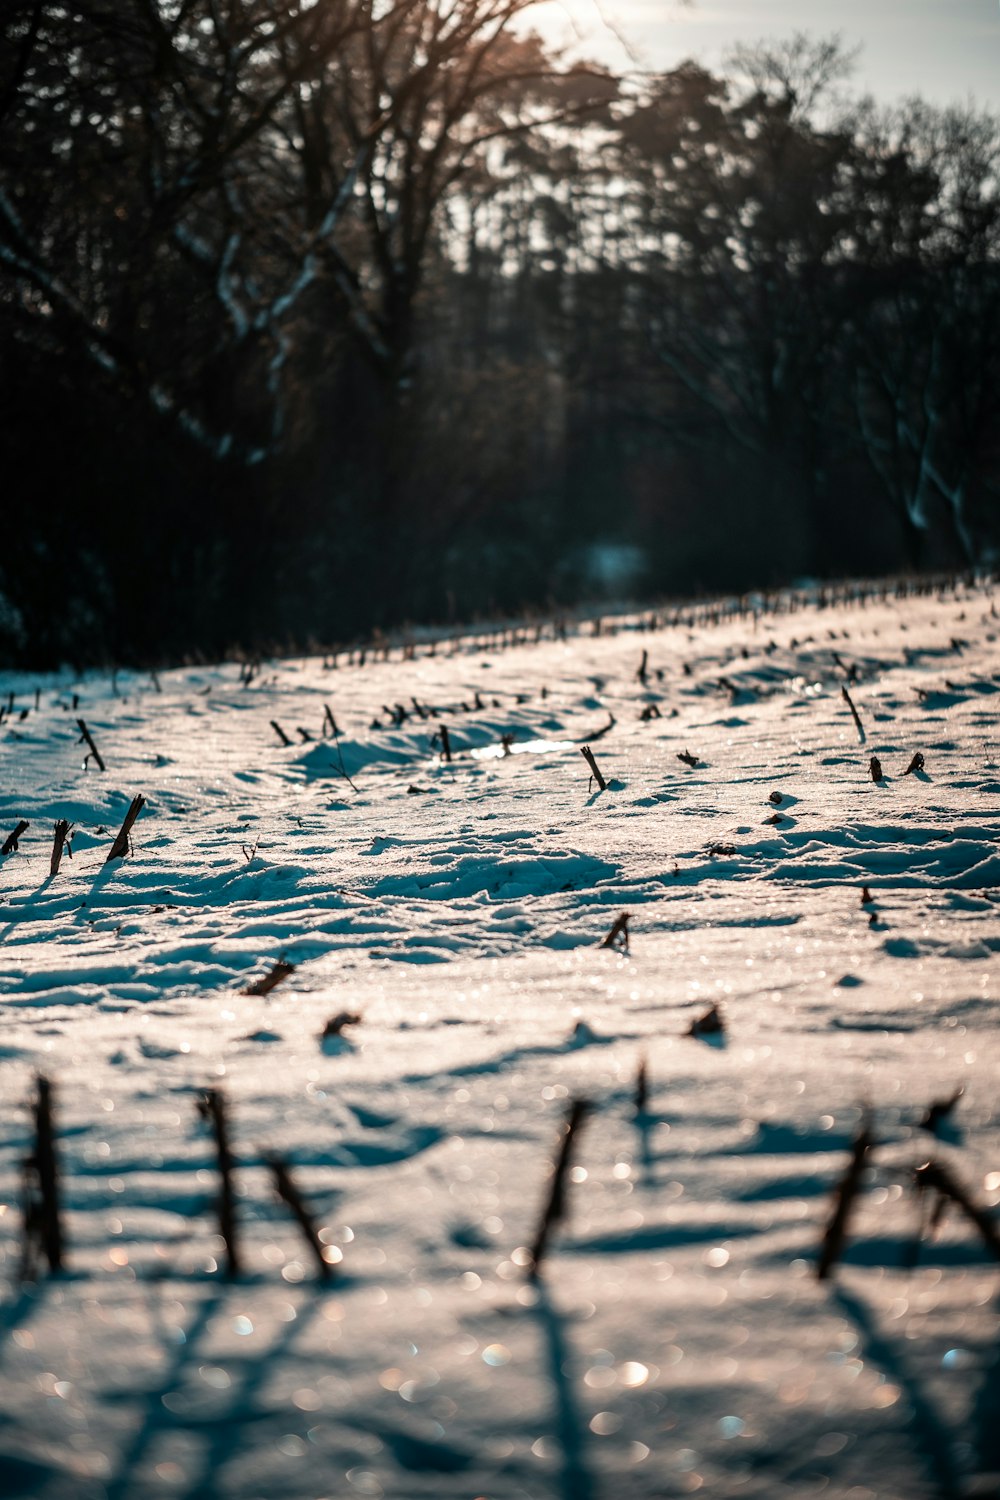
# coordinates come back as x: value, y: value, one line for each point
x: 678, y: 1339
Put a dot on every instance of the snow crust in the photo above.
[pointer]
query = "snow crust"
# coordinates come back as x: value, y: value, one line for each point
x: 677, y: 1340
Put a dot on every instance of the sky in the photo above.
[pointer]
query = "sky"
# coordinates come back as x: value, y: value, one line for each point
x: 947, y: 50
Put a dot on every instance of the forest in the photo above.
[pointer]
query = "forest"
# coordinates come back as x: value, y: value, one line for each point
x: 323, y: 319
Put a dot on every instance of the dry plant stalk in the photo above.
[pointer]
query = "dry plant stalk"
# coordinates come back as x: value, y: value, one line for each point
x: 854, y: 713
x: 555, y: 1208
x: 10, y: 843
x: 273, y: 977
x: 598, y: 734
x: 641, y: 1087
x: 120, y: 848
x: 618, y: 936
x: 712, y: 1023
x: 588, y: 756
x: 336, y: 1024
x: 87, y: 739
x: 43, y: 1228
x: 940, y: 1110
x: 288, y: 1192
x: 933, y: 1175
x: 60, y: 835
x: 212, y: 1108
x: 836, y: 1231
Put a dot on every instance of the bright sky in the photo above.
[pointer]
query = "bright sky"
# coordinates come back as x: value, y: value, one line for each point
x: 946, y: 50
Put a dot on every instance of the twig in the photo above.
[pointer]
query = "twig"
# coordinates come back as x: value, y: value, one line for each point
x: 688, y: 758
x: 445, y: 742
x: 87, y: 739
x: 555, y: 1208
x: 120, y: 848
x: 283, y: 737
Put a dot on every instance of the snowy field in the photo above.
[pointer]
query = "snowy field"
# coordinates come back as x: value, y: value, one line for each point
x: 677, y: 1338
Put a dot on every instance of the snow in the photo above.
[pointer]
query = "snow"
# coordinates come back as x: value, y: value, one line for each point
x: 677, y: 1338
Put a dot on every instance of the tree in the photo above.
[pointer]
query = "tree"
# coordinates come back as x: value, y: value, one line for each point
x: 739, y: 222
x: 138, y: 149
x: 924, y: 334
x: 223, y: 156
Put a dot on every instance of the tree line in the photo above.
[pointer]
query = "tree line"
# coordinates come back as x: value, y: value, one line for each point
x: 319, y: 318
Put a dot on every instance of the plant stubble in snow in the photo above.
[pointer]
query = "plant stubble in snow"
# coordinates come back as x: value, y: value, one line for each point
x: 677, y: 1339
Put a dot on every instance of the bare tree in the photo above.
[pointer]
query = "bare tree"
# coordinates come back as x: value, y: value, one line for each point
x: 924, y: 337
x: 176, y: 178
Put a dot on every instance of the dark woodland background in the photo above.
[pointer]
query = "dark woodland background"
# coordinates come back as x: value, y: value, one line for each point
x: 316, y: 319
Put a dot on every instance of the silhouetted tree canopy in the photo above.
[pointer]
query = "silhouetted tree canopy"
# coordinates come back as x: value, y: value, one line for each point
x: 318, y: 318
